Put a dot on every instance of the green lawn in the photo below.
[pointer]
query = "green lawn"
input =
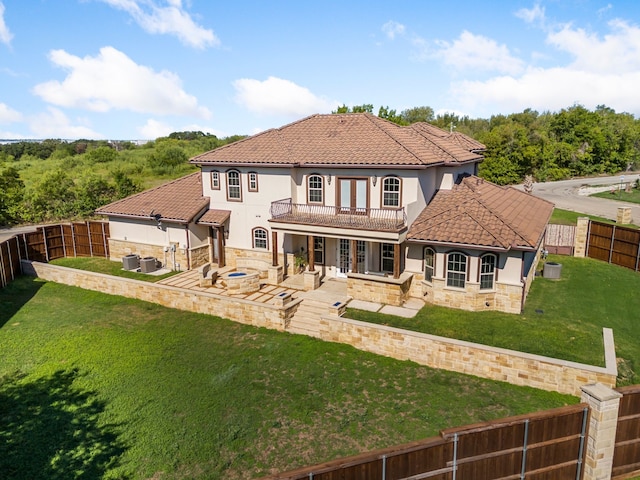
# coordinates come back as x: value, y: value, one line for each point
x: 632, y: 196
x: 567, y: 217
x: 104, y: 265
x: 97, y: 386
x: 562, y: 318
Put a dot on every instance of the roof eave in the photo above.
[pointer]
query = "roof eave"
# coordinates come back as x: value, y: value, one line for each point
x: 471, y: 246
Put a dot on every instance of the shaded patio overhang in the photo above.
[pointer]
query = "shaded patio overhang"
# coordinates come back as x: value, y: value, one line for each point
x: 214, y: 218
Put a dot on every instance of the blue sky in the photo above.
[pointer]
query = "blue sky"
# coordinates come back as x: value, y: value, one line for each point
x: 139, y: 69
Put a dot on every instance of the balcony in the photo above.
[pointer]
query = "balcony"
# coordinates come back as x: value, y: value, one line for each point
x: 375, y: 219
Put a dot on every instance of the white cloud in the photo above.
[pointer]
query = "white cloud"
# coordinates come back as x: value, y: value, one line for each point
x: 476, y: 52
x: 170, y: 18
x: 5, y: 33
x: 8, y: 114
x: 154, y: 129
x: 619, y: 51
x: 111, y: 80
x: 276, y: 96
x: 391, y: 29
x: 603, y: 70
x: 55, y: 124
x: 531, y: 15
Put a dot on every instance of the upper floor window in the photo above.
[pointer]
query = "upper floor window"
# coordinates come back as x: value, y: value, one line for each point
x: 429, y: 263
x: 315, y: 192
x: 391, y: 192
x: 487, y: 271
x: 234, y: 190
x: 260, y: 238
x: 253, y: 182
x: 456, y: 270
x: 215, y: 180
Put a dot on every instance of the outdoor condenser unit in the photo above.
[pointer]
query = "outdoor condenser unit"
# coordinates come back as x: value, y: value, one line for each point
x: 130, y: 262
x: 148, y: 264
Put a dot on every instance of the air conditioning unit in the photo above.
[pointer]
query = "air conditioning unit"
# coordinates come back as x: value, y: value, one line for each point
x: 130, y: 262
x: 148, y: 264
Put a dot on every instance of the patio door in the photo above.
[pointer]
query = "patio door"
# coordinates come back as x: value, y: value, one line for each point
x: 353, y: 195
x: 346, y: 257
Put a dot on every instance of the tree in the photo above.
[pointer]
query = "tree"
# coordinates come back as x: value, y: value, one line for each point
x: 53, y: 198
x: 102, y: 154
x: 167, y: 158
x: 417, y: 114
x: 364, y: 108
x: 11, y: 194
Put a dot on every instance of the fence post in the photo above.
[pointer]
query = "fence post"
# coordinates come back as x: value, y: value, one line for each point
x: 581, y: 238
x: 604, y: 404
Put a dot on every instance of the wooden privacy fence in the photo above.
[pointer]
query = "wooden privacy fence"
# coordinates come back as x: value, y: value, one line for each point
x: 548, y: 445
x: 77, y: 239
x: 560, y: 239
x: 626, y: 456
x: 614, y: 244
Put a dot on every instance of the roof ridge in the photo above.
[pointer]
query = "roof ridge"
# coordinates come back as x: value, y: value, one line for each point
x: 425, y: 135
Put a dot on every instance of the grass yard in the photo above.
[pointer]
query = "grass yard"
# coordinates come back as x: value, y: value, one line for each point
x: 97, y: 386
x: 562, y: 318
x: 567, y: 217
x: 632, y: 196
x: 108, y: 267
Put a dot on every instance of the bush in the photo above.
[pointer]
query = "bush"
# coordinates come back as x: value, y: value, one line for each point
x: 102, y: 155
x: 167, y: 159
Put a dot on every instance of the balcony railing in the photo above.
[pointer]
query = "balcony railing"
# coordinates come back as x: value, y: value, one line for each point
x: 379, y: 219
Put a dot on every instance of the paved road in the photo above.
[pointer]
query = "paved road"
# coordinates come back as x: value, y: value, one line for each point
x: 6, y: 233
x: 565, y: 195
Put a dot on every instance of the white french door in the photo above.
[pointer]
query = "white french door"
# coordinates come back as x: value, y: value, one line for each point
x: 346, y: 257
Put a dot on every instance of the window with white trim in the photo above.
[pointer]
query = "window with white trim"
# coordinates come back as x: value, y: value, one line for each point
x: 456, y: 270
x: 260, y: 238
x: 215, y: 180
x: 253, y: 182
x: 387, y: 257
x: 315, y: 193
x: 391, y: 192
x: 487, y: 271
x: 318, y: 250
x: 429, y: 263
x: 234, y: 190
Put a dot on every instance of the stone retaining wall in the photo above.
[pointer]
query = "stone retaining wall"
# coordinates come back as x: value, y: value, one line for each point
x: 474, y: 359
x: 236, y: 309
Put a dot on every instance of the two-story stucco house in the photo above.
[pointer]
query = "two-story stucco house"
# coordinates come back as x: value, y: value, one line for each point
x: 395, y: 210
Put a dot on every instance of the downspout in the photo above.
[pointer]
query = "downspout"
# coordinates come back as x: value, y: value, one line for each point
x: 188, y: 252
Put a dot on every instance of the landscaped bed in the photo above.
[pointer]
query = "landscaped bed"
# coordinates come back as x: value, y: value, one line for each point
x: 562, y: 318
x: 98, y: 386
x: 109, y: 267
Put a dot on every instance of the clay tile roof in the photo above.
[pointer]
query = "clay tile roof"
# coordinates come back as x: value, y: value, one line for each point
x: 478, y: 213
x: 214, y: 217
x: 179, y: 201
x: 352, y: 139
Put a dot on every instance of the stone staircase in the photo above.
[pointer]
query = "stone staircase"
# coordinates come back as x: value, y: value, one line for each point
x: 314, y: 305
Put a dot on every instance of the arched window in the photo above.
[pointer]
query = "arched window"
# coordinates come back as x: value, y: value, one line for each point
x: 456, y: 270
x: 315, y: 188
x: 234, y: 190
x: 391, y: 192
x: 487, y: 271
x: 260, y: 238
x: 429, y: 263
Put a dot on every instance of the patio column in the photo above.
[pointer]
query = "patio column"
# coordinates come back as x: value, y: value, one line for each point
x: 274, y: 249
x: 312, y: 265
x: 221, y: 259
x: 354, y: 256
x: 211, y: 247
x: 396, y: 260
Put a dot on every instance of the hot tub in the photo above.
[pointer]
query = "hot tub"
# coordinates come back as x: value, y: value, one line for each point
x: 241, y: 281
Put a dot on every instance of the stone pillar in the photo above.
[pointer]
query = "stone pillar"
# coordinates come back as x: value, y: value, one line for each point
x: 603, y: 403
x: 311, y: 280
x: 580, y: 240
x: 275, y: 274
x: 624, y: 216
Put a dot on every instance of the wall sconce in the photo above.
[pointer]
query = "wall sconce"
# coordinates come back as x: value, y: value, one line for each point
x: 226, y: 234
x: 328, y: 177
x: 375, y: 180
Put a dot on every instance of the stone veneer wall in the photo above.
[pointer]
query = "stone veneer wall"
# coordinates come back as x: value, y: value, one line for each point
x: 379, y: 289
x: 464, y: 357
x: 120, y: 248
x: 236, y: 309
x: 199, y: 256
x: 580, y: 241
x: 232, y: 253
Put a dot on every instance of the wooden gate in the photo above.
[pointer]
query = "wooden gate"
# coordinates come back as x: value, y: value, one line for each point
x: 548, y: 445
x: 626, y: 456
x: 614, y: 244
x: 560, y: 239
